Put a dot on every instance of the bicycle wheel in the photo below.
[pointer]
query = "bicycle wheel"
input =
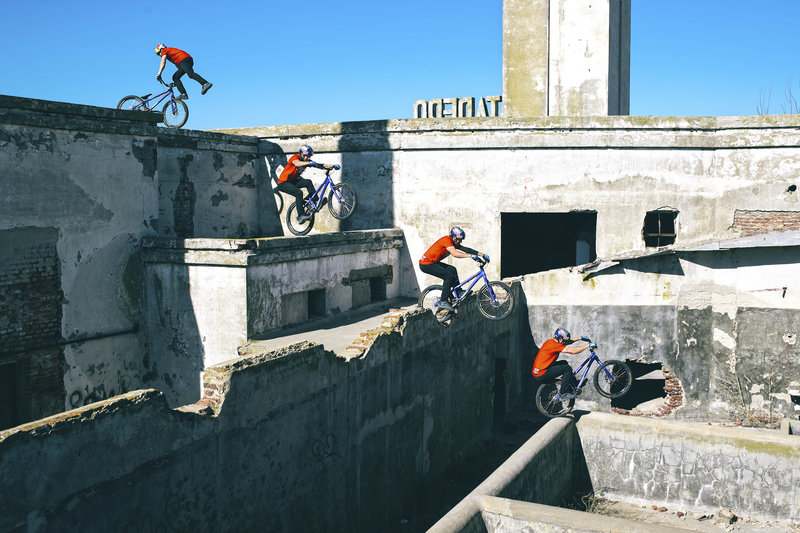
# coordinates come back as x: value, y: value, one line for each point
x: 342, y: 201
x: 131, y: 103
x: 428, y: 300
x: 295, y: 226
x: 502, y: 304
x: 175, y: 118
x: 547, y: 402
x: 615, y: 385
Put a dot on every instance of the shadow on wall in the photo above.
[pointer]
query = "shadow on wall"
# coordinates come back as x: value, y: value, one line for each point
x: 367, y: 165
x: 271, y: 204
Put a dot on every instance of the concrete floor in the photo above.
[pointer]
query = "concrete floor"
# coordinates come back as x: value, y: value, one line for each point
x: 336, y: 333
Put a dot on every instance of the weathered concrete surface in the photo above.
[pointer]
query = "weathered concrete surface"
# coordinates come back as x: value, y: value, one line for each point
x: 704, y: 167
x: 546, y: 468
x: 693, y: 466
x: 720, y: 320
x: 213, y: 185
x: 566, y: 58
x: 207, y: 297
x: 87, y: 174
x: 502, y: 515
x: 335, y: 445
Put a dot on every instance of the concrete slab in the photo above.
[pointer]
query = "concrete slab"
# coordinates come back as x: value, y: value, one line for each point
x: 335, y: 333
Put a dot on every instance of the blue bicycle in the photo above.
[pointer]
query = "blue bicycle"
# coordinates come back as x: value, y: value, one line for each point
x: 611, y: 380
x: 495, y: 299
x: 341, y: 200
x: 175, y: 111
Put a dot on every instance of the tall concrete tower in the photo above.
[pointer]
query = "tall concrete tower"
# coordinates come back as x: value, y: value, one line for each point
x: 566, y: 57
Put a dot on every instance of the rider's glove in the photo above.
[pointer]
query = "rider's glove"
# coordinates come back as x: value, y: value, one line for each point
x: 473, y: 256
x: 486, y: 257
x: 158, y: 79
x: 314, y: 164
x: 592, y: 345
x: 336, y: 167
x: 585, y: 338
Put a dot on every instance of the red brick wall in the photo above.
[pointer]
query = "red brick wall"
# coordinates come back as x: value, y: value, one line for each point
x: 30, y: 323
x: 759, y: 222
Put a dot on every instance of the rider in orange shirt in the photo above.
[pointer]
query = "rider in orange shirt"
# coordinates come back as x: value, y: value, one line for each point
x: 185, y: 65
x: 430, y: 262
x: 290, y: 181
x: 545, y: 366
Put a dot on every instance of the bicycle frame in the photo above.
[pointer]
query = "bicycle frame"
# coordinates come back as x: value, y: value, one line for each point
x: 587, y: 363
x: 479, y: 275
x: 319, y: 193
x: 161, y: 97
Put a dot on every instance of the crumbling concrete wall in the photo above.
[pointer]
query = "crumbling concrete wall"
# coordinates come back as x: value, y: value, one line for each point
x: 81, y: 180
x: 426, y: 175
x: 693, y: 466
x: 213, y: 186
x: 724, y: 323
x: 333, y: 444
x: 207, y: 297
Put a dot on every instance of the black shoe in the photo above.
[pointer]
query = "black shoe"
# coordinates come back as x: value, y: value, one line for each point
x: 182, y: 96
x: 304, y: 218
x: 567, y: 395
x: 206, y: 87
x: 322, y: 203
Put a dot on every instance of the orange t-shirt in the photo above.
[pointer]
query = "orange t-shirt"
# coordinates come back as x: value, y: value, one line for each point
x: 437, y: 252
x: 547, y: 354
x: 175, y: 55
x: 291, y: 172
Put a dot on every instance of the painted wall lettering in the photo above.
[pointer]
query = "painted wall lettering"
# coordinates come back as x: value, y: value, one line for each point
x: 458, y: 107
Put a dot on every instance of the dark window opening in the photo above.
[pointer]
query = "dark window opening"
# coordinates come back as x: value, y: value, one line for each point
x: 659, y: 228
x: 316, y: 304
x: 535, y: 242
x: 377, y: 289
x: 9, y: 410
x: 647, y: 391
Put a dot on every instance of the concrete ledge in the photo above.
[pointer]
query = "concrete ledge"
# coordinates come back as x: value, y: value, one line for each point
x: 65, y: 116
x: 244, y: 252
x: 501, y: 514
x: 464, y: 516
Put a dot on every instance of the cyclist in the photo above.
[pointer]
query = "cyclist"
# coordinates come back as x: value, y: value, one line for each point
x: 545, y: 366
x: 184, y: 64
x: 290, y: 181
x: 431, y: 262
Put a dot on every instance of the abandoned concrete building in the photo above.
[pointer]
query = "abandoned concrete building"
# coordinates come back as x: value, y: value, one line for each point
x: 141, y: 267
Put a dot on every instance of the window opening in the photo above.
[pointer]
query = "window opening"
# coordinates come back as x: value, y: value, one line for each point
x: 316, y: 303
x: 659, y: 228
x: 377, y: 289
x: 535, y: 242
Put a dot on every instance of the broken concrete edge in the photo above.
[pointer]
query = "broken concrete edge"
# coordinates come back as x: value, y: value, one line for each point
x: 53, y: 424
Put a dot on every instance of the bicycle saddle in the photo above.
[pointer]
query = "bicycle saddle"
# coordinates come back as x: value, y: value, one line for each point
x: 145, y: 97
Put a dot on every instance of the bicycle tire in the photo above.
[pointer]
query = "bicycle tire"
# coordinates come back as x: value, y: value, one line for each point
x: 296, y: 227
x: 546, y: 402
x: 131, y: 103
x: 501, y: 306
x: 428, y: 298
x: 621, y: 384
x: 179, y: 117
x: 342, y: 209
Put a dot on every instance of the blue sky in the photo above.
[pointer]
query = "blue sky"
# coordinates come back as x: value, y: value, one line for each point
x: 325, y: 61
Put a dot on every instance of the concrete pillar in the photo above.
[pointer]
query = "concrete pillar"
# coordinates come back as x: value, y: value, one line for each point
x: 566, y: 57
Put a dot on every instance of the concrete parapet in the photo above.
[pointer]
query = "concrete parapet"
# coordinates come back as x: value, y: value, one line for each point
x: 693, y: 466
